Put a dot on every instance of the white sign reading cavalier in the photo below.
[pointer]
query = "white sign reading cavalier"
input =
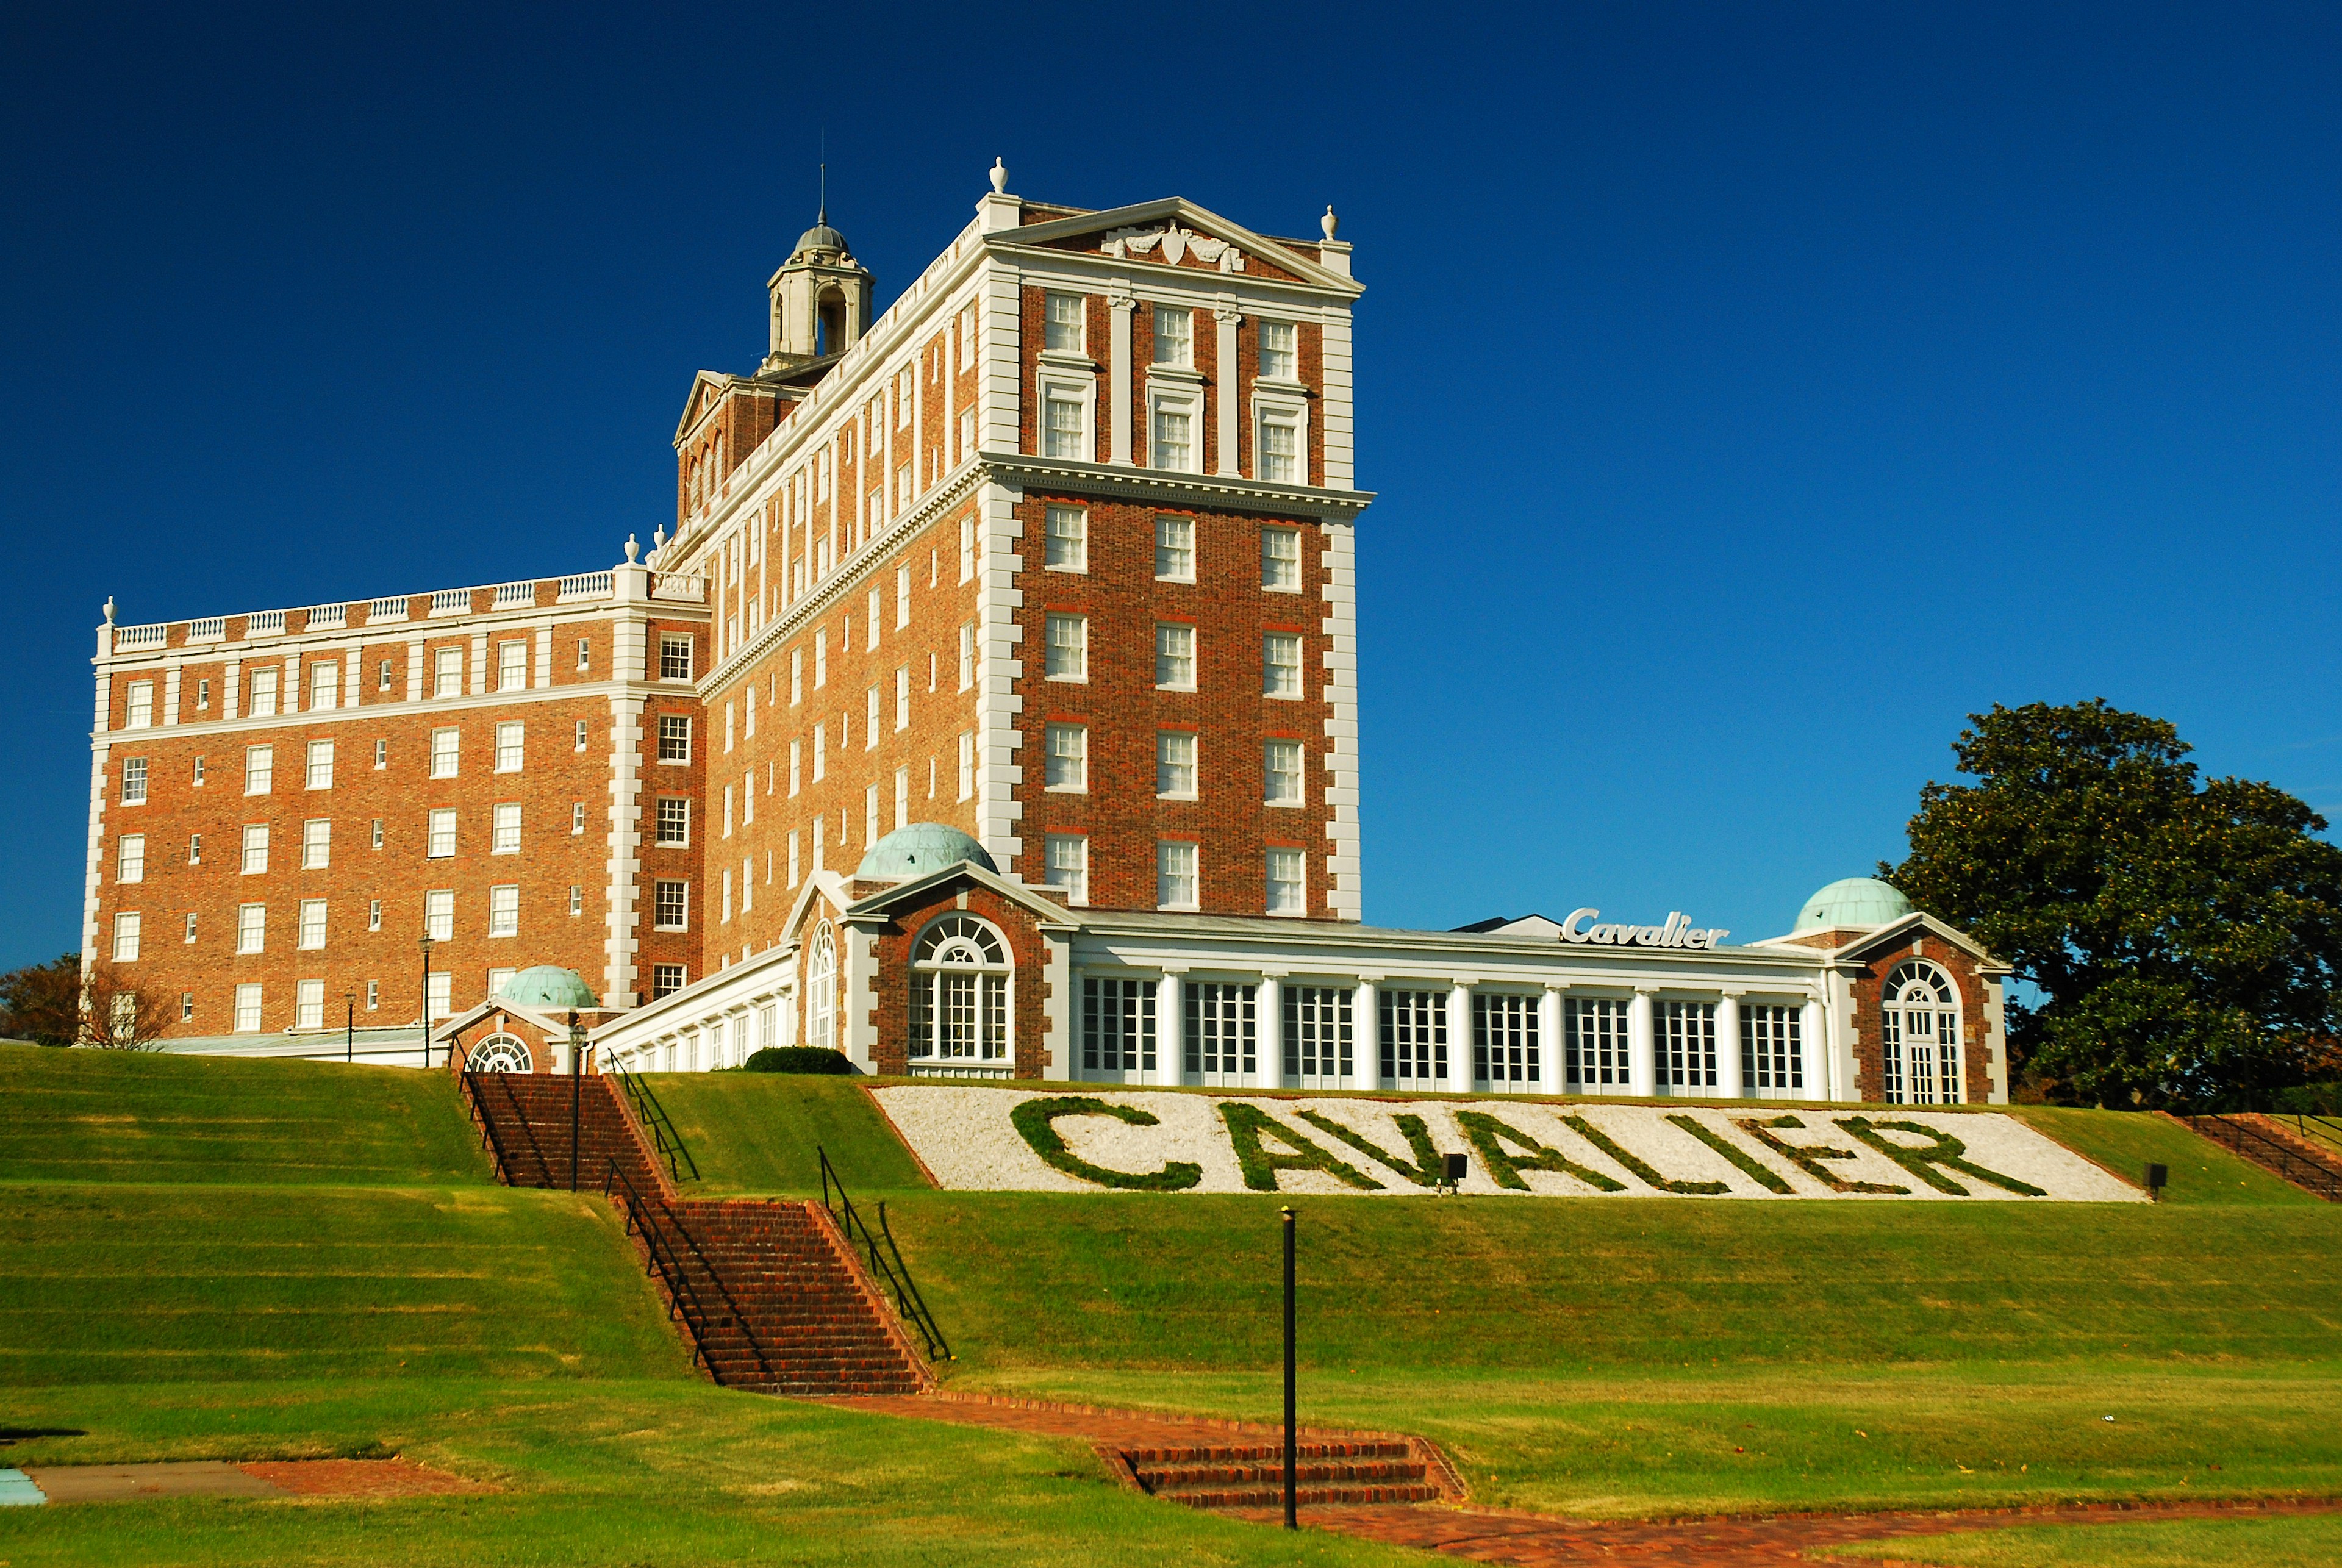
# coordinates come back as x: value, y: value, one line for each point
x: 1079, y: 1139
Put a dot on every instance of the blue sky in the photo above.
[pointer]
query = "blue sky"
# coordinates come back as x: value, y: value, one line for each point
x: 1752, y: 392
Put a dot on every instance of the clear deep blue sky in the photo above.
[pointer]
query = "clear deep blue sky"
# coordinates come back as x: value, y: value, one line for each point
x: 1752, y: 392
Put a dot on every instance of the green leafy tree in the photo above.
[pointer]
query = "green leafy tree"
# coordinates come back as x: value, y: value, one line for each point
x: 2185, y: 939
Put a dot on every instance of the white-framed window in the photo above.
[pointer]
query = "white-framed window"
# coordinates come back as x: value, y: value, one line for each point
x: 374, y: 915
x: 1175, y: 549
x: 576, y: 817
x: 1174, y: 764
x: 313, y: 925
x: 1280, y: 664
x: 1175, y: 337
x: 1319, y: 1048
x: 381, y: 755
x: 820, y: 657
x: 373, y: 995
x: 1175, y: 656
x: 727, y: 811
x: 1066, y: 758
x: 968, y: 547
x: 309, y: 1004
x: 504, y: 830
x: 204, y: 690
x: 442, y: 838
x: 134, y: 780
x: 576, y: 901
x: 1919, y: 1036
x: 325, y: 686
x: 966, y: 767
x: 139, y: 713
x: 259, y: 769
x: 870, y: 816
x: 902, y: 698
x: 194, y: 849
x: 446, y: 752
x: 255, y: 849
x: 1280, y: 447
x: 1117, y: 1025
x: 191, y: 926
x: 1288, y: 884
x: 1221, y: 1043
x: 1067, y: 864
x: 199, y: 773
x: 126, y: 938
x: 1280, y: 560
x: 381, y: 676
x: 439, y: 993
x: 820, y: 751
x: 321, y: 764
x: 248, y: 1009
x: 187, y: 1006
x: 674, y: 820
x: 671, y: 906
x: 1281, y: 772
x: 1413, y: 1037
x: 1507, y: 1052
x: 378, y: 833
x: 902, y: 597
x: 316, y: 844
x: 498, y: 980
x: 512, y: 666
x: 870, y: 718
x: 961, y: 971
x: 674, y: 657
x: 821, y: 990
x: 1171, y: 444
x: 439, y: 914
x: 873, y: 613
x: 797, y: 771
x: 666, y: 979
x: 447, y: 672
x: 1280, y: 355
x: 1683, y: 1046
x: 1066, y: 655
x: 251, y: 928
x: 902, y: 799
x: 264, y: 694
x: 1066, y: 539
x: 130, y: 858
x: 508, y: 746
x: 504, y: 911
x: 581, y: 734
x: 1772, y: 1048
x: 796, y: 676
x: 1065, y: 420
x: 584, y: 653
x: 1065, y: 323
x: 1174, y: 874
x: 967, y: 657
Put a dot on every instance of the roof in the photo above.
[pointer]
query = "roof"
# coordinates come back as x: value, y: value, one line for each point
x: 547, y: 985
x: 920, y: 848
x: 1853, y: 901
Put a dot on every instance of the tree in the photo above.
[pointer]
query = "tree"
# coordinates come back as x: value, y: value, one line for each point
x: 2185, y: 940
x: 115, y: 1016
x: 42, y: 1002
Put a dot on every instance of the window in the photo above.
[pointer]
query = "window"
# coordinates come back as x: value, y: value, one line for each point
x: 447, y: 672
x: 968, y: 547
x: 441, y: 842
x: 374, y: 915
x: 1068, y: 865
x: 1064, y: 328
x: 187, y: 1006
x: 439, y: 993
x: 259, y: 769
x: 1280, y: 448
x: 199, y: 773
x: 1288, y: 889
x: 264, y: 694
x: 1175, y: 549
x: 1067, y: 761
x: 255, y: 849
x: 796, y: 776
x: 134, y: 780
x: 439, y: 914
x: 1414, y: 1037
x: 313, y: 925
x: 1683, y: 1045
x: 1504, y: 1042
x: 796, y: 676
x: 139, y: 713
x: 1174, y: 875
x: 584, y: 653
x: 666, y: 979
x: 674, y: 738
x: 870, y: 816
x: 1175, y: 763
x: 445, y: 753
x: 194, y: 849
x: 504, y: 911
x: 870, y: 720
x: 1594, y: 1050
x: 1280, y: 664
x: 373, y: 995
x: 503, y: 830
x: 325, y: 686
x: 191, y: 926
x: 820, y: 751
x: 1175, y: 657
x: 498, y: 980
x: 1174, y: 444
x: 378, y: 833
x: 674, y: 820
x: 576, y: 900
x: 578, y: 817
x: 821, y: 991
x: 1281, y: 769
x: 508, y: 746
x: 126, y: 938
x: 671, y: 906
x: 381, y: 754
x: 966, y: 765
x: 1317, y: 1035
x: 960, y: 974
x: 1772, y: 1049
x: 316, y: 844
x: 251, y: 928
x: 1066, y: 539
x: 1067, y: 654
x: 1919, y: 1037
x: 248, y: 1009
x: 1279, y: 360
x: 512, y: 666
x: 321, y: 764
x: 967, y: 434
x: 874, y: 612
x: 674, y: 658
x: 581, y: 734
x: 1175, y: 337
x: 204, y: 694
x: 727, y: 811
x: 130, y: 858
x: 1220, y: 1044
x: 902, y: 700
x: 967, y: 657
x: 1117, y: 1025
x: 1061, y: 429
x: 381, y: 676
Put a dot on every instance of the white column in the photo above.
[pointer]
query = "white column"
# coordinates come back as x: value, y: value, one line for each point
x: 1066, y: 1061
x: 1813, y: 1049
x: 1228, y: 392
x: 1365, y: 1037
x: 1119, y: 304
x: 1459, y: 1038
x: 1549, y: 1080
x: 1728, y: 1081
x: 1170, y: 1032
x: 1269, y: 1028
x: 1642, y: 1064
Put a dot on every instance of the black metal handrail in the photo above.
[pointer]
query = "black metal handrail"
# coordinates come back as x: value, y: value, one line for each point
x: 2315, y: 1130
x: 909, y: 1303
x: 489, y: 1140
x: 668, y: 1267
x: 653, y: 1118
x: 2298, y: 1168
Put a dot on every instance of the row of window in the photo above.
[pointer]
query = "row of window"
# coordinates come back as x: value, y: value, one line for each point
x: 1065, y: 329
x: 1066, y: 863
x: 1066, y: 764
x: 1066, y: 547
x: 438, y: 919
x: 446, y: 752
x: 1065, y: 655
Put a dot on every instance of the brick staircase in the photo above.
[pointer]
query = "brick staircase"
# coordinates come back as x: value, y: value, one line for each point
x: 2274, y: 1148
x: 767, y: 1291
x: 1252, y: 1474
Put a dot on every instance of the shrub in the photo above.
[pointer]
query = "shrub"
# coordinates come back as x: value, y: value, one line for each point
x: 798, y: 1059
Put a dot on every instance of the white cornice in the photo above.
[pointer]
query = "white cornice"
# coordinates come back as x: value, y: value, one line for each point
x: 1155, y: 484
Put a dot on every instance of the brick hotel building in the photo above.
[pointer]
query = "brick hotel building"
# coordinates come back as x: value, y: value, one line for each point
x: 991, y: 707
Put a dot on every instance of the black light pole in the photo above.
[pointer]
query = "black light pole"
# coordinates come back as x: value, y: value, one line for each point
x: 1292, y: 1454
x: 576, y: 1071
x: 427, y: 998
x: 350, y: 1026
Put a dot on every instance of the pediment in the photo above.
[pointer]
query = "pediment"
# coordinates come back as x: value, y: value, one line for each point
x: 708, y: 388
x: 1176, y: 233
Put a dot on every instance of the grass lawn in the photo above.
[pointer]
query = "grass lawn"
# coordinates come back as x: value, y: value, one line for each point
x: 757, y: 1133
x: 2304, y: 1543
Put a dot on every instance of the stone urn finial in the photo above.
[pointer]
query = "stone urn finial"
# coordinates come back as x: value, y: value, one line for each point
x: 1330, y: 223
x: 999, y: 178
x: 633, y: 549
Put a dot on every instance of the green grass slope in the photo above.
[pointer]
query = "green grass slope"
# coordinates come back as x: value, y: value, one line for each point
x: 2124, y: 1141
x: 757, y: 1133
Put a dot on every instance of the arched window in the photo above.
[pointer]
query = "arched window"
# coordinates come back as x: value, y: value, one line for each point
x: 1919, y: 1036
x: 960, y: 972
x: 821, y: 991
x: 498, y: 1053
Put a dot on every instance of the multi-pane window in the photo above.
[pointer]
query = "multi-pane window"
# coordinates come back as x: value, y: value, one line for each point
x: 960, y: 971
x: 374, y: 917
x: 576, y: 900
x: 1280, y: 664
x: 1067, y: 654
x: 264, y: 694
x: 381, y: 676
x: 1175, y: 763
x: 1174, y: 875
x: 1067, y: 864
x: 1317, y: 1034
x: 1061, y: 429
x: 1117, y: 1025
x: 1066, y: 539
x: 1280, y: 558
x: 670, y: 905
x: 309, y: 1004
x: 966, y: 767
x: 126, y: 938
x: 1414, y: 1037
x: 1683, y: 1045
x: 1173, y: 443
x: 321, y: 764
x: 251, y: 928
x: 439, y: 993
x: 447, y: 672
x: 1175, y: 549
x: 504, y: 911
x: 1281, y: 772
x: 194, y: 849
x: 255, y: 848
x: 312, y: 923
x: 508, y: 746
x: 382, y: 754
x: 378, y: 833
x: 820, y: 751
x: 967, y: 657
x: 259, y: 769
x: 1175, y: 337
x: 199, y: 773
x: 140, y: 711
x: 512, y: 666
x: 442, y: 842
x: 1772, y: 1050
x: 504, y: 833
x: 1594, y: 1044
x: 1175, y: 656
x: 674, y: 738
x: 1065, y: 329
x: 316, y: 844
x: 674, y: 820
x: 1220, y: 1030
x: 134, y: 780
x: 325, y: 685
x: 1279, y: 357
x: 1280, y: 448
x: 248, y: 1009
x: 903, y: 697
x: 1505, y: 1041
x: 1066, y: 758
x: 439, y: 914
x: 870, y: 718
x: 130, y: 858
x: 1288, y: 885
x: 1919, y: 1041
x: 674, y: 658
x: 796, y: 676
x: 666, y: 979
x: 446, y: 753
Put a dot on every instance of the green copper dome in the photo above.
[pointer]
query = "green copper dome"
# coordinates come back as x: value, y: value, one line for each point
x: 1852, y: 901
x: 918, y: 849
x: 546, y: 985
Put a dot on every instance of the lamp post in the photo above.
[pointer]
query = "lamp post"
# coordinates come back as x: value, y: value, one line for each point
x: 350, y: 1026
x: 427, y: 998
x: 577, y: 1082
x: 1292, y: 1452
